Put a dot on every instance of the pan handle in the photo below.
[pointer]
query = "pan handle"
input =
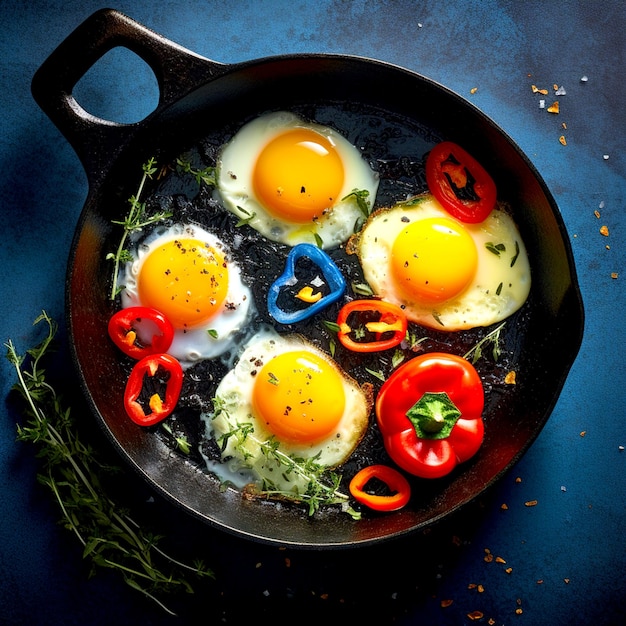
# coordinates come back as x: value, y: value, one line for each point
x: 97, y: 141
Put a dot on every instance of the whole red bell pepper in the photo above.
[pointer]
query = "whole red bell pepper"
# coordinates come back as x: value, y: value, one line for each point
x: 429, y: 412
x: 166, y: 371
x: 123, y: 331
x: 388, y: 325
x: 460, y: 183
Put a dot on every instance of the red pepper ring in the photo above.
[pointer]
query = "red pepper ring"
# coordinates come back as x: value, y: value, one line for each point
x: 124, y: 334
x: 160, y: 408
x: 398, y: 486
x: 392, y: 319
x: 450, y: 167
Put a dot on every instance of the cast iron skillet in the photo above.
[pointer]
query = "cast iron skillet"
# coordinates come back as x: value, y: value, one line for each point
x: 198, y: 96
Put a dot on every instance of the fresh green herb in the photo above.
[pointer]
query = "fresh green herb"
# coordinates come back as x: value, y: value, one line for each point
x: 182, y: 443
x: 437, y: 318
x: 361, y: 197
x: 376, y: 373
x: 397, y: 358
x: 273, y: 379
x: 74, y: 474
x: 332, y: 326
x: 514, y: 259
x: 499, y: 289
x: 332, y: 347
x: 495, y: 248
x: 322, y: 485
x: 412, y: 340
x: 362, y: 289
x: 212, y: 333
x: 319, y: 242
x: 205, y: 176
x: 244, y: 220
x: 494, y: 338
x: 135, y: 220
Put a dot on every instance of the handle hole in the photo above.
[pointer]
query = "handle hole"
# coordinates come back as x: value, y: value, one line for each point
x: 120, y: 87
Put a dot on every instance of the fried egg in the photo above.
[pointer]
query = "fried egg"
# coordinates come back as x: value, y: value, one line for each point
x: 188, y: 275
x: 445, y: 274
x: 285, y: 394
x: 293, y: 181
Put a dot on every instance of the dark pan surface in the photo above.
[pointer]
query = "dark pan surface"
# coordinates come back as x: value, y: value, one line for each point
x: 200, y: 98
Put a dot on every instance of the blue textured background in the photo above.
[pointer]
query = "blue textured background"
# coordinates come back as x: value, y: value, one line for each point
x: 573, y: 540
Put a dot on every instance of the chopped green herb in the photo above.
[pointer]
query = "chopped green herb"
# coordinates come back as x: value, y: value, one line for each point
x: 514, y: 259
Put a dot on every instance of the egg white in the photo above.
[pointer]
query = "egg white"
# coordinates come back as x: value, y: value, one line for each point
x: 235, y: 184
x: 218, y: 334
x: 495, y: 293
x: 245, y: 457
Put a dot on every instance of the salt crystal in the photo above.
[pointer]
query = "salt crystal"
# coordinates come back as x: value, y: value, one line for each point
x: 605, y: 157
x: 601, y: 205
x: 542, y: 104
x: 584, y: 79
x: 560, y: 91
x: 563, y: 488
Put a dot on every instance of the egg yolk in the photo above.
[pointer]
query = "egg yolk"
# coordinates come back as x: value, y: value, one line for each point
x: 433, y: 259
x: 185, y: 279
x: 298, y: 175
x: 299, y: 396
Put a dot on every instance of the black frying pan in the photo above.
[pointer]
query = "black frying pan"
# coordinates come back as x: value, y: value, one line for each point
x: 200, y: 97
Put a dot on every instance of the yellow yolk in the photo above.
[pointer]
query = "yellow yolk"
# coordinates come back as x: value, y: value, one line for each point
x: 299, y: 396
x: 433, y: 259
x: 185, y: 279
x: 298, y: 175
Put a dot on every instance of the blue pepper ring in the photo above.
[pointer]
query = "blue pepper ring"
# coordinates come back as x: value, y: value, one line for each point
x: 332, y: 276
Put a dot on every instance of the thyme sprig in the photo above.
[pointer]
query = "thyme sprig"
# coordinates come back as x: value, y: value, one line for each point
x: 322, y: 485
x: 72, y: 471
x: 134, y: 221
x: 207, y: 175
x: 490, y: 338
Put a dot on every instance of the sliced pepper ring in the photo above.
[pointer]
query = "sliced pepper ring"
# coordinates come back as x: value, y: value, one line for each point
x: 332, y: 275
x: 460, y: 183
x: 391, y: 319
x: 398, y: 485
x: 123, y: 332
x: 160, y: 407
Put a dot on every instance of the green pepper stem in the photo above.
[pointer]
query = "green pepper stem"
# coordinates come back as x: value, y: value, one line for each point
x: 434, y: 415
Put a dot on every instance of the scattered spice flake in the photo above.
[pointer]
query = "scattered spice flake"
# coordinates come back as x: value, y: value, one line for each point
x: 518, y: 610
x: 472, y: 586
x: 446, y: 603
x: 518, y: 479
x: 562, y: 140
x: 535, y: 89
x: 508, y: 570
x: 614, y: 275
x: 473, y: 90
x: 475, y: 615
x: 540, y: 581
x: 499, y: 559
x: 287, y: 562
x: 604, y: 231
x: 504, y: 507
x: 566, y: 581
x: 510, y: 378
x: 564, y: 126
x: 553, y: 108
x: 597, y: 213
x: 531, y: 503
x: 480, y: 589
x: 491, y: 621
x: 583, y: 433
